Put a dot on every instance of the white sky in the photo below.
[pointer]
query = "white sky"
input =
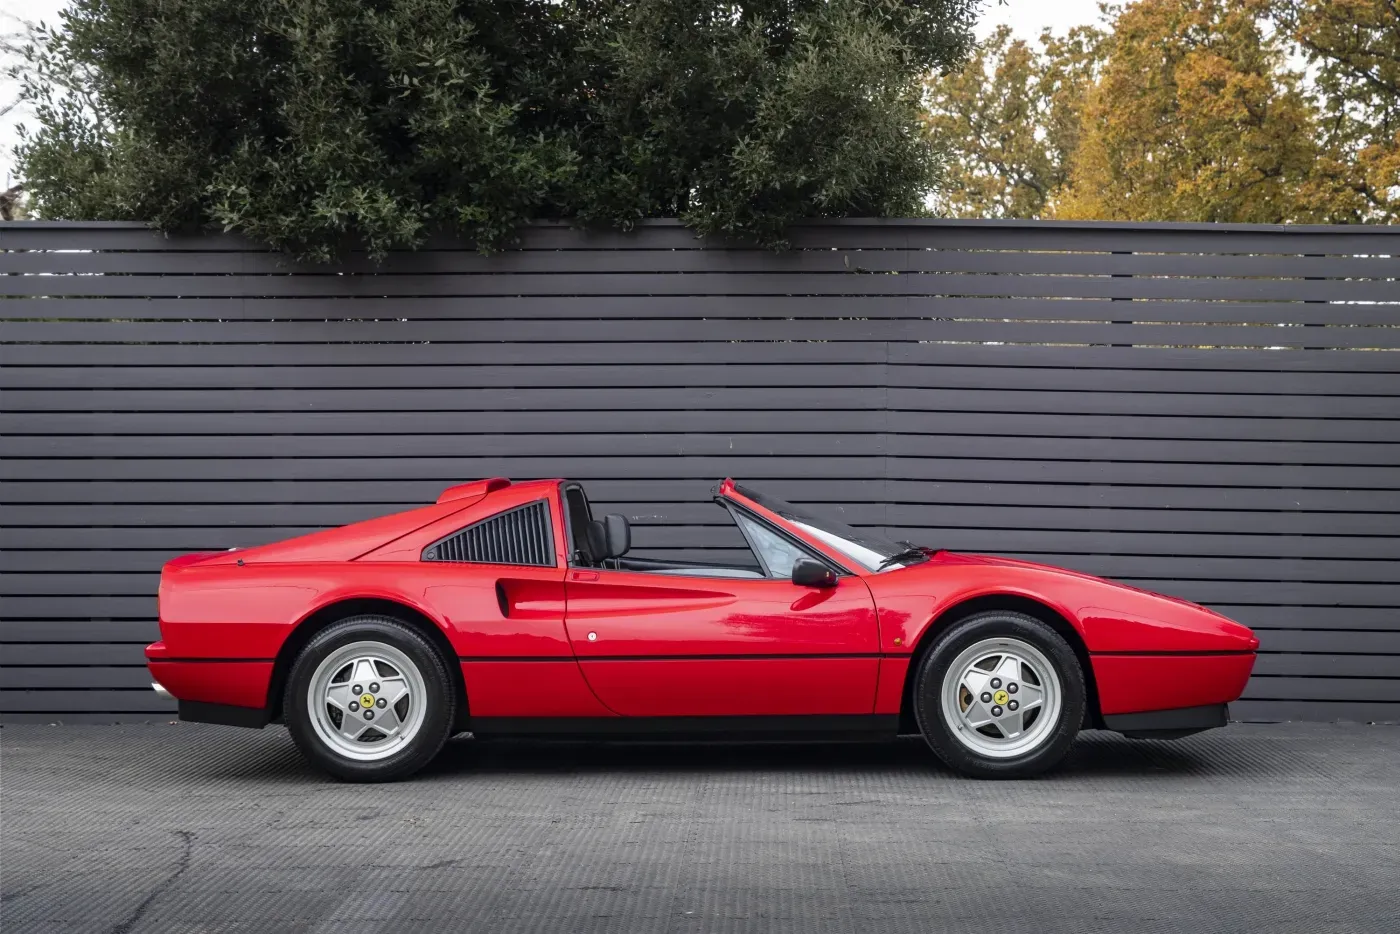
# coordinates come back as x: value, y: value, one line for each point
x: 1026, y: 17
x: 33, y: 11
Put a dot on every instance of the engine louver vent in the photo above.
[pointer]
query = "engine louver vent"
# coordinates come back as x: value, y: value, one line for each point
x: 521, y: 536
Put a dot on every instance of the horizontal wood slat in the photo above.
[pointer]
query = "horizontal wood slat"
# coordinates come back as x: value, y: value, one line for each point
x: 1205, y: 410
x: 810, y: 260
x: 75, y: 636
x: 1285, y: 435
x: 668, y: 399
x: 704, y: 444
x: 96, y: 543
x: 111, y: 654
x: 1104, y: 530
x: 1282, y: 687
x: 826, y: 491
x: 63, y: 700
x: 83, y: 678
x: 702, y: 331
x: 1320, y: 664
x: 612, y: 374
x: 1259, y: 711
x: 997, y: 357
x: 834, y: 463
x: 507, y: 286
x: 882, y: 233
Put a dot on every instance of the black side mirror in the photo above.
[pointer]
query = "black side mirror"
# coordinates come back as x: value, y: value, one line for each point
x: 617, y: 534
x: 809, y: 573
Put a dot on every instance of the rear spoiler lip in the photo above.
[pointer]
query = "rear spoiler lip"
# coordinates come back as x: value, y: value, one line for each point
x: 475, y: 489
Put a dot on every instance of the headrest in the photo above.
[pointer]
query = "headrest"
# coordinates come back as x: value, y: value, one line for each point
x: 618, y: 534
x: 596, y: 540
x: 609, y: 537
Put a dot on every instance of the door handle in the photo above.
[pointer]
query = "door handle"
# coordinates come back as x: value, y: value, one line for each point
x: 584, y: 576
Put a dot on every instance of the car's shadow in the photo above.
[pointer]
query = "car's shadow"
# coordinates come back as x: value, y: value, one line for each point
x: 271, y: 756
x: 1094, y: 754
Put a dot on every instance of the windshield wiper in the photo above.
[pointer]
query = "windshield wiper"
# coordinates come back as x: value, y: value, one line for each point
x: 910, y: 551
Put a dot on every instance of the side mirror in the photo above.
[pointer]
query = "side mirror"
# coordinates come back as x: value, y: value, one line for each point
x: 809, y: 573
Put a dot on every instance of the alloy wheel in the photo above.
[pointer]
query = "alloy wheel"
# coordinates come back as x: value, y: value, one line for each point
x: 1001, y: 698
x: 367, y: 700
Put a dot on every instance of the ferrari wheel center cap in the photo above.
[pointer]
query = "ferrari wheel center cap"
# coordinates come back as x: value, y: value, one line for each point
x: 1000, y: 697
x: 367, y: 700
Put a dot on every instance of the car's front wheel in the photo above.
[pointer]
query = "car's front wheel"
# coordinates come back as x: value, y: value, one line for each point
x: 369, y: 700
x: 1000, y: 695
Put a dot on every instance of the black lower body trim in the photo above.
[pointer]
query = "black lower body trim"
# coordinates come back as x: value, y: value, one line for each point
x: 1168, y: 724
x: 224, y: 714
x: 870, y: 726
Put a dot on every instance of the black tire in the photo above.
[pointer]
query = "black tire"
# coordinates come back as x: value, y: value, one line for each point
x: 940, y: 734
x: 439, y: 710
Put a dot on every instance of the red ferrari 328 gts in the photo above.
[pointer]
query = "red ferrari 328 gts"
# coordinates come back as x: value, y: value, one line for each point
x: 507, y: 609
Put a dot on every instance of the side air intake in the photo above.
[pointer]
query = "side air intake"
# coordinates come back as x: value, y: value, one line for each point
x: 522, y: 535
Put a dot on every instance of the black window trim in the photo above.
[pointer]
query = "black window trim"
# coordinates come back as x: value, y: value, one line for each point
x: 737, y: 509
x: 571, y: 546
x: 549, y: 522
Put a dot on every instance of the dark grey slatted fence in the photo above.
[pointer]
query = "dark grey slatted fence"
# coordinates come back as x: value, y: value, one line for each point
x: 1230, y: 435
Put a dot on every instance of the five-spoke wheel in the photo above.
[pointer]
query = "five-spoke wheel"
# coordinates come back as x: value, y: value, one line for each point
x: 1003, y: 697
x: 1000, y: 694
x: 362, y: 700
x: 369, y: 699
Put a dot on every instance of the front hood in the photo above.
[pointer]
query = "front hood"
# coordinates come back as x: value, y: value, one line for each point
x: 1117, y: 617
x: 958, y: 557
x: 997, y: 561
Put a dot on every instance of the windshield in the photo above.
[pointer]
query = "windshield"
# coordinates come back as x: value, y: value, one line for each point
x: 872, y: 552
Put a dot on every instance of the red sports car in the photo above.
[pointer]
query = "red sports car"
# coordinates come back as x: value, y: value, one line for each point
x: 508, y: 609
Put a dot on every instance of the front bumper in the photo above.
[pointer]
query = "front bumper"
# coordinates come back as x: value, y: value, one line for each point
x: 1130, y: 683
x: 1169, y: 724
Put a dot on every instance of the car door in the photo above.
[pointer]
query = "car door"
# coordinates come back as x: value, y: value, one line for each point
x: 675, y: 645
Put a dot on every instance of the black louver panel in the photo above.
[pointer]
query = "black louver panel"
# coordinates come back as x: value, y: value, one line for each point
x: 520, y: 536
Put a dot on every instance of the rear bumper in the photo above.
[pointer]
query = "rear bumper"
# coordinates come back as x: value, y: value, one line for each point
x: 224, y: 714
x: 1169, y: 724
x: 232, y: 691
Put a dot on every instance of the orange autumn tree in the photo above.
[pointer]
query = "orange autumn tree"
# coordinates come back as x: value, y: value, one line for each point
x: 1011, y: 120
x: 1196, y: 118
x: 1181, y: 110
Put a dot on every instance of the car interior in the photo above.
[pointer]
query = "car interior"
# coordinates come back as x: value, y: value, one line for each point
x: 604, y: 543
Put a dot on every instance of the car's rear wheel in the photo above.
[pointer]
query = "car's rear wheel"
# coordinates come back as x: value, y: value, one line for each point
x: 369, y: 700
x: 1000, y: 695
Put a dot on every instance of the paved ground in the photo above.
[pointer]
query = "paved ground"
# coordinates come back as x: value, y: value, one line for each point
x: 203, y: 829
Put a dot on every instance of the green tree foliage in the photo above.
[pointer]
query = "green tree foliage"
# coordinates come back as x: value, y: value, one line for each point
x: 316, y: 124
x: 1353, y: 46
